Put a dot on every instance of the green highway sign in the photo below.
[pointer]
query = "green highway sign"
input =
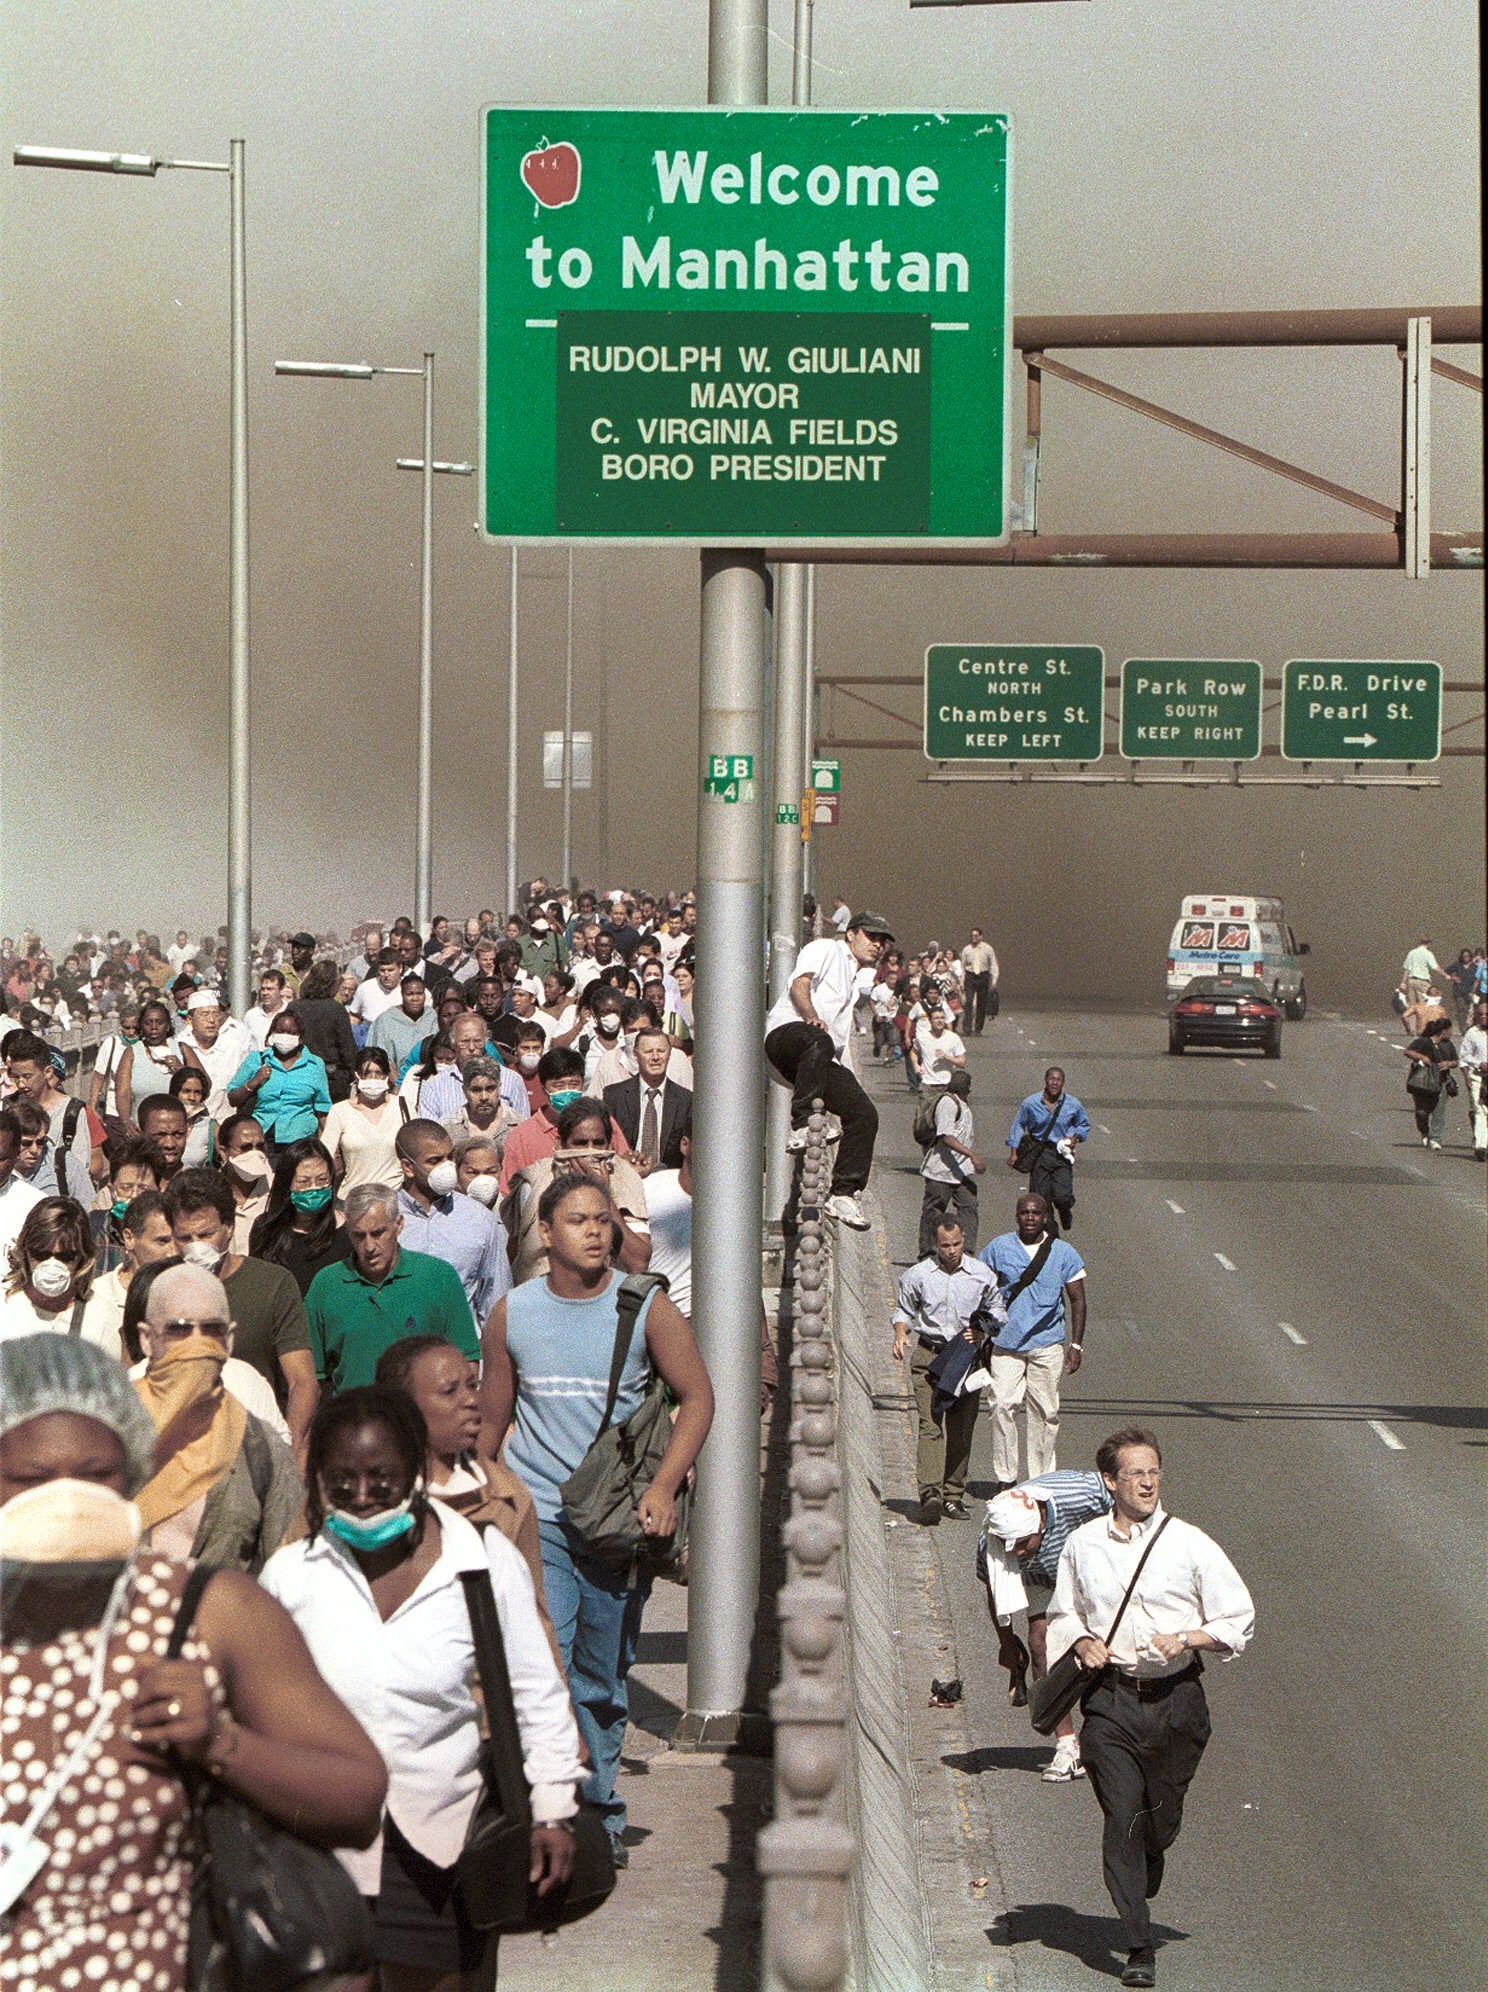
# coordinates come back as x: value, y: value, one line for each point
x: 1014, y: 702
x: 1182, y: 709
x: 1348, y: 709
x: 744, y: 326
x: 826, y: 777
x: 787, y: 812
x: 730, y: 777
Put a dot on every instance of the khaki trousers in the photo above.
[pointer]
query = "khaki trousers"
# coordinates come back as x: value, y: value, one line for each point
x: 1030, y: 1379
x: 944, y: 1452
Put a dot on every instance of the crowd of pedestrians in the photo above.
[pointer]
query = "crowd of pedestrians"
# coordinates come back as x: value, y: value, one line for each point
x: 325, y: 1299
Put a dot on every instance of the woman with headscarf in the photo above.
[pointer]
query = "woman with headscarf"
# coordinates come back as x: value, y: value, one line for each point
x: 225, y: 1489
x: 99, y: 1727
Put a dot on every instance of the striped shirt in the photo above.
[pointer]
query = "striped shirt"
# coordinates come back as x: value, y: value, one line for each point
x: 1068, y: 1498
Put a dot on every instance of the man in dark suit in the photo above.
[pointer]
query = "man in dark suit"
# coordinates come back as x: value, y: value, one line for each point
x: 653, y: 1112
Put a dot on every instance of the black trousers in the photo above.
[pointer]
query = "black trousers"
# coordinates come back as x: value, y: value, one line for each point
x: 957, y: 1200
x: 1054, y: 1180
x: 806, y: 1058
x: 1140, y: 1755
x: 977, y: 988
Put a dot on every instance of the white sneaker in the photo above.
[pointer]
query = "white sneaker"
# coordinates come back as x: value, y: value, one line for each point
x: 1065, y: 1764
x: 847, y: 1210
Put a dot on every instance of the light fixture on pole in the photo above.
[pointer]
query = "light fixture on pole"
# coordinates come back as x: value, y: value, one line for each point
x: 423, y: 862
x: 239, y: 794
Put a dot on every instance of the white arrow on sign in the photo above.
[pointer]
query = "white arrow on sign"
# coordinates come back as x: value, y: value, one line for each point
x: 1359, y: 740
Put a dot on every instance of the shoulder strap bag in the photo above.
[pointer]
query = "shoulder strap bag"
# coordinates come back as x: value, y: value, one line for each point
x: 600, y: 1495
x: 492, y: 1868
x: 1032, y: 1145
x: 269, y: 1912
x: 1067, y: 1682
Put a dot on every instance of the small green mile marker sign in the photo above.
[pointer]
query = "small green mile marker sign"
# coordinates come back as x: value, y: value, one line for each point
x: 744, y: 327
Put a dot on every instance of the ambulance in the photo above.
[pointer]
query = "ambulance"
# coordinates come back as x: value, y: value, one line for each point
x: 1237, y: 933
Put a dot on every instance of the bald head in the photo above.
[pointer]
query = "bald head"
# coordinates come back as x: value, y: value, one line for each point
x: 186, y: 1292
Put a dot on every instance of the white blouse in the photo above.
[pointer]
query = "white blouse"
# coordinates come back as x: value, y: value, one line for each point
x: 408, y: 1680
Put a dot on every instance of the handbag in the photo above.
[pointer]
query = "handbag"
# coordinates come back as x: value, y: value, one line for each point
x: 600, y: 1495
x: 1032, y: 1145
x: 1423, y: 1080
x: 269, y: 1912
x: 492, y: 1868
x: 1067, y: 1682
x: 994, y: 1002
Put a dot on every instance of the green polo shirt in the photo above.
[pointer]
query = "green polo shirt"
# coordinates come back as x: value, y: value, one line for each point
x: 352, y: 1321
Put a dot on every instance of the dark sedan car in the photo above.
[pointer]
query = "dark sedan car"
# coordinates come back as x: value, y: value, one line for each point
x: 1225, y: 1010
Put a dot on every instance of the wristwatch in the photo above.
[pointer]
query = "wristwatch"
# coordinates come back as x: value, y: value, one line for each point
x: 1183, y: 1642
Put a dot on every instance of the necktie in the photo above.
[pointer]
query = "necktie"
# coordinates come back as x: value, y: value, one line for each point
x: 651, y: 1129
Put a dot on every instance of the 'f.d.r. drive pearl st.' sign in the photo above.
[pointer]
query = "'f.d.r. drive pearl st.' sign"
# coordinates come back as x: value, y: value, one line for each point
x: 744, y: 326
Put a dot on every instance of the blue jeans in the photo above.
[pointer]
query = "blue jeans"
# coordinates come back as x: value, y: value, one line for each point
x: 598, y: 1623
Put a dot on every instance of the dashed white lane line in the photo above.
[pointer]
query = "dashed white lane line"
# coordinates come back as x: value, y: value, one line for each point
x: 1176, y: 1209
x: 1269, y: 1084
x: 1291, y: 1334
x: 1382, y: 1431
x: 1228, y: 1265
x: 1103, y: 1128
x: 1311, y: 1110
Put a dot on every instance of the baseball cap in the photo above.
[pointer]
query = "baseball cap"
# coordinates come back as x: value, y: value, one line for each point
x: 872, y: 923
x: 302, y: 940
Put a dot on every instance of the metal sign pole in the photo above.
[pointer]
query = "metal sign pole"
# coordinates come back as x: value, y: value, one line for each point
x: 511, y: 748
x: 728, y: 1216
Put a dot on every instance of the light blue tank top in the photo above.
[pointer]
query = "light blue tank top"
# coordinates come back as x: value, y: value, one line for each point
x: 562, y: 1350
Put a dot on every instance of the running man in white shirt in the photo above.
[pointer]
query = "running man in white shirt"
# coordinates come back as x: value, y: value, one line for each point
x: 806, y: 1037
x: 1146, y: 1719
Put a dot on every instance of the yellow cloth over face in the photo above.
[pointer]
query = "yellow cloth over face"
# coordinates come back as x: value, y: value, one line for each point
x: 200, y: 1426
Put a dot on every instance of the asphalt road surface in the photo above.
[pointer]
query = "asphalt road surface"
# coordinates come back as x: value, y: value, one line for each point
x: 1290, y: 1290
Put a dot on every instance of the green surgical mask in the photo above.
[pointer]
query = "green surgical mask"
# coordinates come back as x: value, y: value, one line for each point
x: 311, y: 1199
x: 565, y: 1097
x: 118, y: 1207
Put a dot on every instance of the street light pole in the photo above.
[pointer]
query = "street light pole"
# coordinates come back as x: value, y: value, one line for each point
x: 423, y: 857
x: 239, y: 745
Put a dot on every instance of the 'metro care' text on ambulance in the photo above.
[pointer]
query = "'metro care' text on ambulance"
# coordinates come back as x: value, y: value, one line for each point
x: 1235, y: 933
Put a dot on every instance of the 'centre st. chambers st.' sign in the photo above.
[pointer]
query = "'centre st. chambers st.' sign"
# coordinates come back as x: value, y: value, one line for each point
x: 744, y: 326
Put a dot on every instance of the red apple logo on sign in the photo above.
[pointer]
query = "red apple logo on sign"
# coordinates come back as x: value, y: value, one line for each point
x: 551, y: 174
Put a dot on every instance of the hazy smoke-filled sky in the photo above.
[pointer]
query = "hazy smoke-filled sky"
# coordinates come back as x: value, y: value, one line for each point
x: 1192, y: 155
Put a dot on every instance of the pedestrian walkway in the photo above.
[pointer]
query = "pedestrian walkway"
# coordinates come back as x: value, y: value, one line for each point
x: 685, y: 1914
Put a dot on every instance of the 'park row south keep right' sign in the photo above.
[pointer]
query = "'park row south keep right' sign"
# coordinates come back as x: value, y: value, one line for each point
x: 744, y: 327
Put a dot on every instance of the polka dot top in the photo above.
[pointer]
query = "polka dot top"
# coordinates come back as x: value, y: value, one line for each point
x: 110, y: 1908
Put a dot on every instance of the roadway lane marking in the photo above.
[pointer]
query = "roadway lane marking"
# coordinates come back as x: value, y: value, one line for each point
x: 1382, y: 1431
x: 1291, y: 1334
x: 1311, y: 1110
x: 1269, y: 1084
x: 1176, y: 1209
x: 1228, y: 1264
x: 1103, y: 1128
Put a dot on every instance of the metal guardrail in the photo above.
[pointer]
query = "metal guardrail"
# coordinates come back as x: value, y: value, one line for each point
x: 806, y: 1854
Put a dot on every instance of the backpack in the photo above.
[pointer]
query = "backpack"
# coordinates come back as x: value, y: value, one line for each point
x: 70, y: 1121
x: 929, y: 1099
